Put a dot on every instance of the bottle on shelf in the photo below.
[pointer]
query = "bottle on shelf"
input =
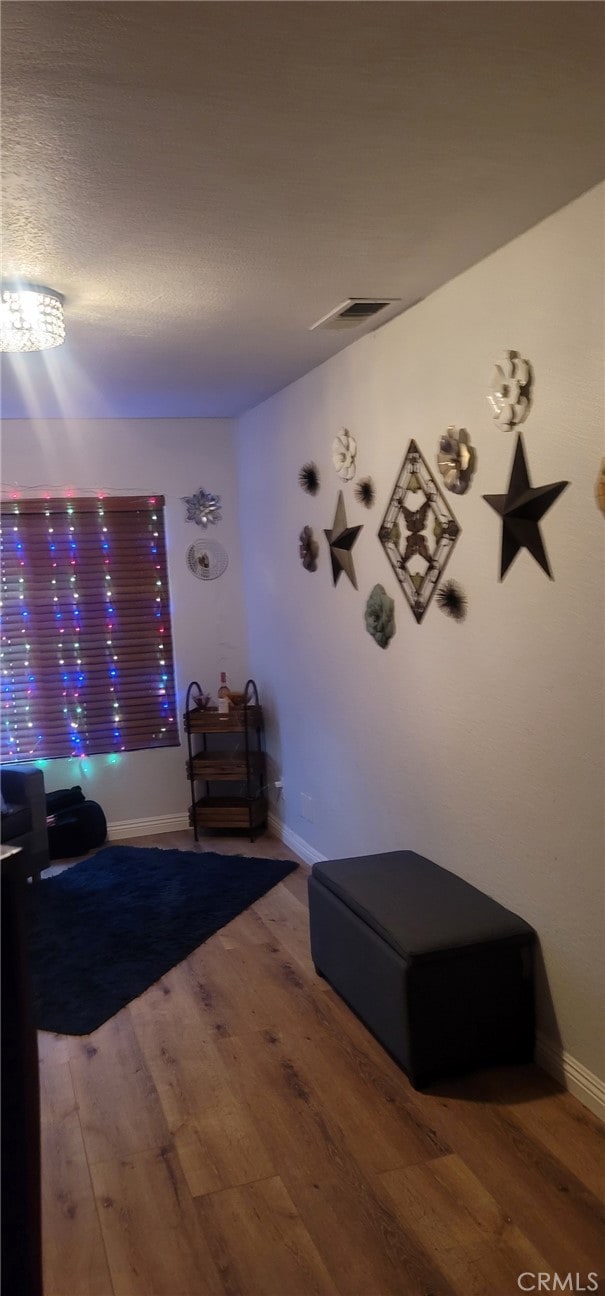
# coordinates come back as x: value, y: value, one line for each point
x: 224, y: 696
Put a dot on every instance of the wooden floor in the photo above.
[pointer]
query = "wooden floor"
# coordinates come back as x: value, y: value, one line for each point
x: 237, y: 1132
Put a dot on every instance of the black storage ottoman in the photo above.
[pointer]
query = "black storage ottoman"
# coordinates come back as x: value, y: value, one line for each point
x: 440, y: 973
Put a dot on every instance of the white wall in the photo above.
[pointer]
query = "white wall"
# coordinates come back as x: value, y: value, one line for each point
x: 173, y: 458
x: 479, y: 745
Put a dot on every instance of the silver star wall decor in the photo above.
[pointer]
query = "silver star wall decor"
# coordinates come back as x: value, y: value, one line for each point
x: 203, y: 507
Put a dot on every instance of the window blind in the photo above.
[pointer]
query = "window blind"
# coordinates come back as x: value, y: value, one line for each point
x: 87, y: 660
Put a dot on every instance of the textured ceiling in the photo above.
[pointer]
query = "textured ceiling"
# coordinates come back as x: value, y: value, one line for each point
x: 205, y: 180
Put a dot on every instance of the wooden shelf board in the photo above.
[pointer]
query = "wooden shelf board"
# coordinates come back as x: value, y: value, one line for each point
x: 210, y: 721
x: 213, y: 765
x: 229, y: 812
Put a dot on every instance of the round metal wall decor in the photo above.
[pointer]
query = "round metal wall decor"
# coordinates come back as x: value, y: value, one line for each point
x: 207, y: 559
x: 456, y: 460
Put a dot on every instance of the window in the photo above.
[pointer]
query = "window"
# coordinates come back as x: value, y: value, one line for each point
x: 87, y: 661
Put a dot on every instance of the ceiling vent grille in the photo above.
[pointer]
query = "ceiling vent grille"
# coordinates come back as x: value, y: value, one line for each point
x: 353, y: 312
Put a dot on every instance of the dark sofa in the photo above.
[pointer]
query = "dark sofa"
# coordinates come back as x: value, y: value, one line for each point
x: 23, y: 826
x: 24, y: 815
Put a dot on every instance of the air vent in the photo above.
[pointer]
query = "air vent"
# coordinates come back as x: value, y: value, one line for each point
x: 353, y: 312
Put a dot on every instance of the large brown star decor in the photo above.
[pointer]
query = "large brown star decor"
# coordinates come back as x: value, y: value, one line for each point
x: 521, y: 510
x: 341, y: 539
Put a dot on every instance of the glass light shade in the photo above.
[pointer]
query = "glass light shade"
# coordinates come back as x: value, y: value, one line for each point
x: 31, y: 318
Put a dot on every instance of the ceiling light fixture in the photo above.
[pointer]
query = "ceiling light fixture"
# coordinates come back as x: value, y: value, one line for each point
x: 31, y: 318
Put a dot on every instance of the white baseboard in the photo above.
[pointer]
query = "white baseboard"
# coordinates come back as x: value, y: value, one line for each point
x: 573, y: 1075
x: 292, y: 839
x: 145, y: 827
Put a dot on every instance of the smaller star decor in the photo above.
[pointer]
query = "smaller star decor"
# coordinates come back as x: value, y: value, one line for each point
x: 203, y: 507
x: 521, y: 510
x: 341, y: 539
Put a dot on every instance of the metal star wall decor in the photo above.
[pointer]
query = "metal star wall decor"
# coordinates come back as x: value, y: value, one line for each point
x: 203, y: 507
x: 341, y: 539
x: 521, y: 510
x: 418, y: 531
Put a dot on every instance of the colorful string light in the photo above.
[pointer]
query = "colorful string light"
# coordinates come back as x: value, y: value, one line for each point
x: 74, y: 612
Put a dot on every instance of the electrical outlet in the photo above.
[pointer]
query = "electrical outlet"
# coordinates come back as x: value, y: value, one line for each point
x: 306, y: 807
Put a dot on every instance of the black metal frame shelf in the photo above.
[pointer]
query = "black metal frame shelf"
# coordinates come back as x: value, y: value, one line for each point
x: 213, y: 766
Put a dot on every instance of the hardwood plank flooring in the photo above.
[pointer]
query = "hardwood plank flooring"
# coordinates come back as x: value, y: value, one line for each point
x: 74, y: 1255
x: 236, y: 1131
x: 154, y: 1244
x: 260, y: 1244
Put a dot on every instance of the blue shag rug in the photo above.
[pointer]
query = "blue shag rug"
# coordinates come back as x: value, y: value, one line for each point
x: 103, y: 931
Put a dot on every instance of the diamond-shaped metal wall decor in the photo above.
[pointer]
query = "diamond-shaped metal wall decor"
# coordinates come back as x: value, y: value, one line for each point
x: 418, y: 531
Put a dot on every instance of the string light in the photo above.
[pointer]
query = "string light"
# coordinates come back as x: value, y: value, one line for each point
x: 18, y: 677
x: 111, y: 655
x: 74, y: 624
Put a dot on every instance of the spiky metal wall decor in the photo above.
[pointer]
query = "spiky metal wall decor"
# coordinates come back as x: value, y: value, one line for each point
x: 365, y: 492
x: 452, y: 600
x: 308, y: 478
x: 418, y: 531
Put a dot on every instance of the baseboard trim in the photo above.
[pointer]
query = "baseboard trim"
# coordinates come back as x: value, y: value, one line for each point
x: 145, y: 827
x: 573, y: 1075
x: 298, y: 844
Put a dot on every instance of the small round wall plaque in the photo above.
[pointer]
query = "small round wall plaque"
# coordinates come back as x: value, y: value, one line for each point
x: 207, y: 559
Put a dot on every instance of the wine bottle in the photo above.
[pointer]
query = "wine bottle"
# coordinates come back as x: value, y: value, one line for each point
x: 223, y: 696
